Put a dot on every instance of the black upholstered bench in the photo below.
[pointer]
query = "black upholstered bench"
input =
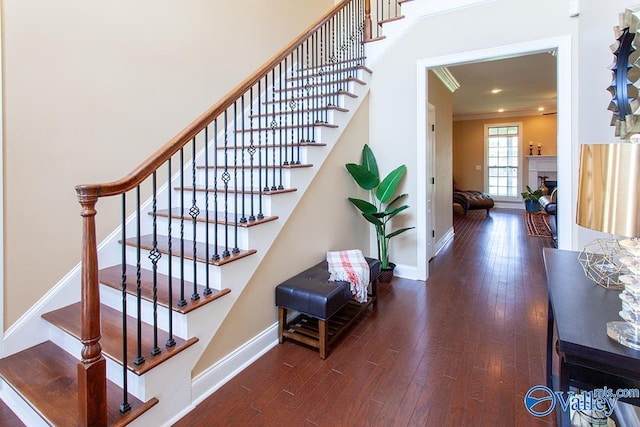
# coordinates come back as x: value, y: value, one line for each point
x: 325, y: 309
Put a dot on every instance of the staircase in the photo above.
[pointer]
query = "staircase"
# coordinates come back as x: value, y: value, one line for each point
x: 152, y: 296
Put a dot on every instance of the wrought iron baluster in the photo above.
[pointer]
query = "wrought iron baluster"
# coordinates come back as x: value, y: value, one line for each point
x: 252, y: 152
x: 274, y: 125
x: 182, y: 302
x: 259, y: 104
x: 292, y: 109
x: 139, y: 358
x: 281, y: 109
x: 226, y: 177
x: 194, y: 211
x: 124, y: 406
x: 155, y: 256
x: 207, y: 254
x: 170, y: 340
x: 216, y: 256
x: 267, y: 127
x: 307, y: 88
x: 236, y: 193
x: 243, y: 219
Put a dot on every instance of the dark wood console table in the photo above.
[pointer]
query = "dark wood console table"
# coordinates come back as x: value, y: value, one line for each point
x: 579, y: 310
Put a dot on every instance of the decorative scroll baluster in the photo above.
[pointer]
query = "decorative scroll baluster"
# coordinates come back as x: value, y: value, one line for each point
x: 216, y: 240
x: 155, y: 256
x: 194, y: 211
x: 252, y: 151
x: 182, y: 301
x: 307, y: 87
x: 124, y: 406
x: 226, y: 177
x: 139, y: 360
x: 207, y: 288
x: 170, y: 340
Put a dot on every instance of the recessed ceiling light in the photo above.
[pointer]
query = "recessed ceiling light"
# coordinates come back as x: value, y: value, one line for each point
x: 494, y: 91
x: 500, y: 110
x: 540, y: 108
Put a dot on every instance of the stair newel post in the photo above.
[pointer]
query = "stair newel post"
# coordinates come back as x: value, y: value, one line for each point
x: 367, y: 20
x: 92, y: 371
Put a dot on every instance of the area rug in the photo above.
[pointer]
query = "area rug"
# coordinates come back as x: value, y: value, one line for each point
x: 537, y: 224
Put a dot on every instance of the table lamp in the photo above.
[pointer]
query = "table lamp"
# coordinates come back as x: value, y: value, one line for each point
x: 609, y: 201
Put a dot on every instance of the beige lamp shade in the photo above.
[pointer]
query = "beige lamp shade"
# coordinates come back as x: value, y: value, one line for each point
x: 609, y: 188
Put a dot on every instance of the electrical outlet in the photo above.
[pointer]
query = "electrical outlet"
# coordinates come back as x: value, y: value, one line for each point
x: 478, y: 167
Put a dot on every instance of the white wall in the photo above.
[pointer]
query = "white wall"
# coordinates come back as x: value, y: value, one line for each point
x: 393, y: 91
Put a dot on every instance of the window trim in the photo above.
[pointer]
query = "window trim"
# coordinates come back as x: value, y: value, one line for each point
x: 520, y: 162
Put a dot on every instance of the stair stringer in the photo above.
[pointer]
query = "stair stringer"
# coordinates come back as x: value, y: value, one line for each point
x: 413, y: 11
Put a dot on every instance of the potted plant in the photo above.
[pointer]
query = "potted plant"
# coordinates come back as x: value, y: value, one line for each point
x: 531, y: 199
x: 384, y: 206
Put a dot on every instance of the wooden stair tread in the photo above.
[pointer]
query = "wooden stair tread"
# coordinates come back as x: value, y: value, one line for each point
x: 289, y: 127
x: 112, y: 277
x: 46, y: 377
x: 323, y: 83
x: 176, y: 213
x: 393, y: 18
x: 359, y: 60
x: 346, y: 69
x: 304, y: 110
x: 69, y: 319
x: 146, y: 242
x: 286, y: 144
x: 256, y: 167
x: 246, y: 191
x: 305, y: 97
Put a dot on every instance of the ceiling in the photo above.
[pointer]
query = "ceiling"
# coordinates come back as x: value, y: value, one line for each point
x: 527, y: 83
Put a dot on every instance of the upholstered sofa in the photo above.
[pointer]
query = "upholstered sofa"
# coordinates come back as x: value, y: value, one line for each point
x: 471, y: 200
x: 549, y: 205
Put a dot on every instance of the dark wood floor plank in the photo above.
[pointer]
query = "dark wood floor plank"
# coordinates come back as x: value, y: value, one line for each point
x: 461, y: 349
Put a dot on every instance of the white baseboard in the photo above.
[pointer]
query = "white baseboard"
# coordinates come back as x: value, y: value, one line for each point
x: 442, y: 242
x: 205, y: 384
x: 406, y: 271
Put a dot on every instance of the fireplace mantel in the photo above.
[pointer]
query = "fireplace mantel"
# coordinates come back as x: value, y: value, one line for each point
x: 541, y: 166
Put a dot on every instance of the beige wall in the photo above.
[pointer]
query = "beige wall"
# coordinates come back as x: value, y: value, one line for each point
x: 468, y: 145
x: 323, y: 220
x: 442, y: 99
x: 93, y: 88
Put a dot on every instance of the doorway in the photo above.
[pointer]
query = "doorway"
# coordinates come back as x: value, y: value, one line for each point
x: 564, y: 136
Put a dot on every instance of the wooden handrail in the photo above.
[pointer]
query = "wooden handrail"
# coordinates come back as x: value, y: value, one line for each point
x: 146, y: 168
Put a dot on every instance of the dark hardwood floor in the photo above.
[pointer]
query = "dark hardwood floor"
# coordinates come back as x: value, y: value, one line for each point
x: 461, y: 349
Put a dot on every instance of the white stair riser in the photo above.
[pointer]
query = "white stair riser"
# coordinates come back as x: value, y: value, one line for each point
x: 176, y: 267
x: 244, y: 178
x: 239, y: 156
x: 248, y: 198
x: 113, y: 298
x: 200, y: 231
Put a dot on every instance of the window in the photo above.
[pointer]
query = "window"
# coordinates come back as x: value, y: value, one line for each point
x: 503, y: 159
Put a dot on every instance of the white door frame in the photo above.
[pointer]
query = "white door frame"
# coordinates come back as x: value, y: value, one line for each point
x: 431, y: 184
x: 562, y: 45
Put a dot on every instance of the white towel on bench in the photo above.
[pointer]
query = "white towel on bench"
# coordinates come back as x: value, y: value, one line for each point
x: 350, y: 266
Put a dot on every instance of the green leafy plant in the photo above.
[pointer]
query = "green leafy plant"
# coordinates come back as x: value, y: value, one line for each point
x: 384, y: 206
x: 532, y: 195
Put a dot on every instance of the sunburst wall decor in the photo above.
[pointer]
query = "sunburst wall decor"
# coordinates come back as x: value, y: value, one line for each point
x: 626, y: 75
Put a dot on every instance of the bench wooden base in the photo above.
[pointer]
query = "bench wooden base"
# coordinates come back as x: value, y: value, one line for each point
x: 318, y: 333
